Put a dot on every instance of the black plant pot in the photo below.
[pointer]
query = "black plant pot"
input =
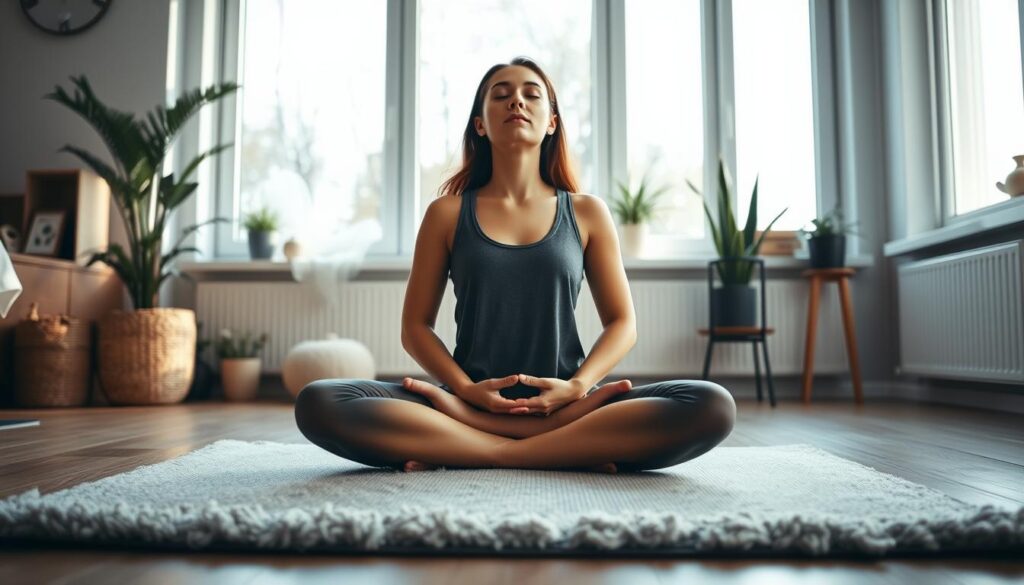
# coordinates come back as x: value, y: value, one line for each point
x: 260, y: 247
x: 734, y: 305
x: 201, y: 388
x: 827, y: 251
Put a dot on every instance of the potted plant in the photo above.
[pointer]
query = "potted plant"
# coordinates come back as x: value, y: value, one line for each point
x: 145, y: 355
x: 826, y: 239
x: 261, y: 226
x: 634, y: 210
x: 735, y: 302
x: 239, y: 364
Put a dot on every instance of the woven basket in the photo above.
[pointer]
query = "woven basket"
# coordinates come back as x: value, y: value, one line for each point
x: 52, y: 360
x: 147, y: 356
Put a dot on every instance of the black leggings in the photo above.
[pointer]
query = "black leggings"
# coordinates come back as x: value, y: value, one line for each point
x: 708, y: 419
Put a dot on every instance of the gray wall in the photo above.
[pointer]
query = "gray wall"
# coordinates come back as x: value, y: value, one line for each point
x: 862, y: 178
x: 125, y: 58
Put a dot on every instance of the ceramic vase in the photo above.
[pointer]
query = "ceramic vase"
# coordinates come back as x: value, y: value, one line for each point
x: 292, y: 249
x: 1014, y: 185
x: 634, y: 239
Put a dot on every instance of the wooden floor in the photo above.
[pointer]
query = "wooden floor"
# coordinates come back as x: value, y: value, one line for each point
x: 974, y: 455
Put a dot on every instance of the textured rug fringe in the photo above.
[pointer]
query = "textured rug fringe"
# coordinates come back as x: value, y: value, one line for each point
x: 30, y: 515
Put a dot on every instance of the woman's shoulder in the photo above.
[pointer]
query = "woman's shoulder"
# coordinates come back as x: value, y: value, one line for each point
x: 444, y: 209
x: 586, y: 205
x: 589, y: 213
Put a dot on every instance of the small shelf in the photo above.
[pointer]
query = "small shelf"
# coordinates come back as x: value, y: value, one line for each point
x: 51, y: 262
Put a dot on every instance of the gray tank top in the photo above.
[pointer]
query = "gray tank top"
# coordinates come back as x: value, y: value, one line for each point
x: 515, y: 305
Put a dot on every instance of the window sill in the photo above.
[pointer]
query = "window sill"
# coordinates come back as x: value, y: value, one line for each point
x: 397, y: 268
x: 985, y: 220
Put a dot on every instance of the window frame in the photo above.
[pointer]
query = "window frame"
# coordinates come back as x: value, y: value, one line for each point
x: 401, y: 174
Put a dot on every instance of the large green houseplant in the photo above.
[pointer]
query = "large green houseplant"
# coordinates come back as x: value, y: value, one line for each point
x: 734, y: 303
x: 146, y: 355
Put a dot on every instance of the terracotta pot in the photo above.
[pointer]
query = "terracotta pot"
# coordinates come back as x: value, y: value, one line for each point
x: 146, y: 356
x: 634, y: 238
x: 240, y: 378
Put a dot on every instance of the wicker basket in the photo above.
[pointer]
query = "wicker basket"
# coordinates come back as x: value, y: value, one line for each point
x: 146, y: 356
x: 52, y: 360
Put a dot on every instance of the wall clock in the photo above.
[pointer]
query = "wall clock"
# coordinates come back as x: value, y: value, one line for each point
x: 64, y: 17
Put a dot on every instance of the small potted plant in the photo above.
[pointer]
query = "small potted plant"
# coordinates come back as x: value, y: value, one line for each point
x: 826, y: 239
x: 239, y: 364
x: 261, y: 226
x: 735, y: 302
x: 634, y: 210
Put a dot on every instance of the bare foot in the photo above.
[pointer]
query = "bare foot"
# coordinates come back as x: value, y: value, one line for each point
x: 413, y: 465
x: 419, y: 466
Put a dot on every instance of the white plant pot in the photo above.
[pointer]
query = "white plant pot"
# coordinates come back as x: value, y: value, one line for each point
x: 240, y: 378
x: 634, y: 238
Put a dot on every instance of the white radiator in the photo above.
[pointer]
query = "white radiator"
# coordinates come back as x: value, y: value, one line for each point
x: 669, y: 312
x: 961, y: 317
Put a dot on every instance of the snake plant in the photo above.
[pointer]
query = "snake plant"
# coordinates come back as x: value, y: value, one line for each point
x: 731, y: 242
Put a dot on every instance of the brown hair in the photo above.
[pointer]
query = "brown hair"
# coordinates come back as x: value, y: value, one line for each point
x: 556, y: 167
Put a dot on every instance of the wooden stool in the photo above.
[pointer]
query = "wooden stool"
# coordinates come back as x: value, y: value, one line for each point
x: 842, y: 276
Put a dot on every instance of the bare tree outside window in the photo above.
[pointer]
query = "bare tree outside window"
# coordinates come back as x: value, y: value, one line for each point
x: 665, y: 112
x: 774, y: 111
x: 312, y: 113
x: 986, y: 103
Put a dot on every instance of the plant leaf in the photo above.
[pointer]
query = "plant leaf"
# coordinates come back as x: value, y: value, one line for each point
x: 751, y: 227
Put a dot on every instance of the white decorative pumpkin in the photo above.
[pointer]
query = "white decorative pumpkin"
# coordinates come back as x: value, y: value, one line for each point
x: 326, y: 358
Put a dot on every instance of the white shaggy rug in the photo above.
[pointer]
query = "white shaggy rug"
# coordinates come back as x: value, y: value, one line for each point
x: 793, y: 500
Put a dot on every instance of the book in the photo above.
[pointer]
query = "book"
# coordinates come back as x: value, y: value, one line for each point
x: 18, y: 422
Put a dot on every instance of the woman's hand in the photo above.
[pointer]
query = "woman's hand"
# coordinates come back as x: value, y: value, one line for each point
x: 442, y: 400
x: 554, y: 394
x: 516, y: 427
x: 484, y: 394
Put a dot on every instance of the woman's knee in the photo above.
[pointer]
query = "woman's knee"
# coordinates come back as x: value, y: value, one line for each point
x: 713, y: 406
x: 317, y: 402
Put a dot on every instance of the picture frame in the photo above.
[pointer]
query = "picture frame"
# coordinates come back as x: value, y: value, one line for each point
x: 45, y: 233
x: 11, y: 238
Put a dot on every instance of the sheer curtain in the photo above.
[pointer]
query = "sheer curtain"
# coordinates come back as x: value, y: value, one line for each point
x: 335, y: 259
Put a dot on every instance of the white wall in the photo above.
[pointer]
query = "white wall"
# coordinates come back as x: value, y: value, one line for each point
x: 125, y: 58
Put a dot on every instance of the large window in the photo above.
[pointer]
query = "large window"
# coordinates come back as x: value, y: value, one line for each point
x: 774, y: 112
x: 354, y: 111
x: 986, y: 98
x: 665, y: 110
x: 310, y: 119
x: 461, y: 39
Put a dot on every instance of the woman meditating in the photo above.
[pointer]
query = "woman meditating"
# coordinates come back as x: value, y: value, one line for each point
x: 518, y: 392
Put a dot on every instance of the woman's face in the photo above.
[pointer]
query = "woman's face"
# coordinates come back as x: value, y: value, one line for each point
x: 514, y: 92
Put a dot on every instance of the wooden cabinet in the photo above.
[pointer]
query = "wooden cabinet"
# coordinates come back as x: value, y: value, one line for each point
x: 59, y: 287
x: 80, y: 194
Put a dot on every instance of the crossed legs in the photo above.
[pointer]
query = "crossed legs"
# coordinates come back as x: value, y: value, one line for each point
x: 382, y: 424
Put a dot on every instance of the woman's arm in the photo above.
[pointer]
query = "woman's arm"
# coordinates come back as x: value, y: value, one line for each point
x: 424, y: 291
x: 609, y: 287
